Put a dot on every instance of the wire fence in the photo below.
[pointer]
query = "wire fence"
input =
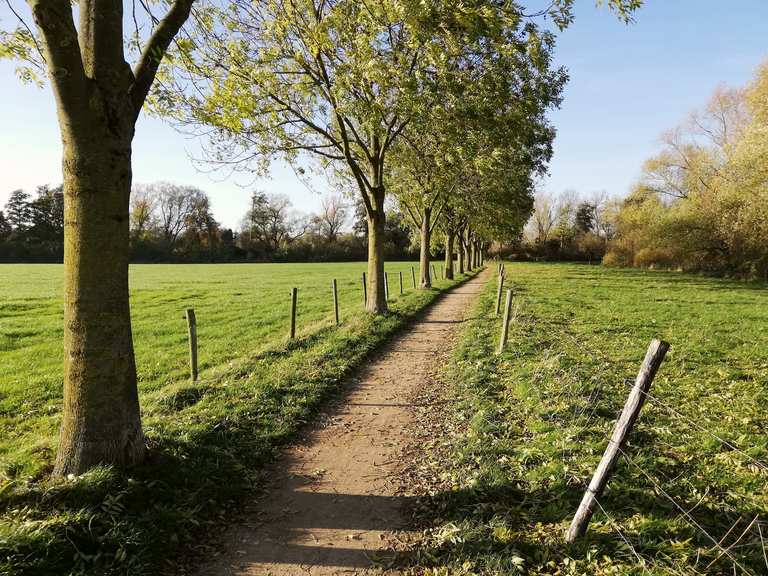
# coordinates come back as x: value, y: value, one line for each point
x: 586, y: 399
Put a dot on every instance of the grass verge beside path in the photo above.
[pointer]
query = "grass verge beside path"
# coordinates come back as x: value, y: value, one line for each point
x: 526, y: 429
x: 209, y: 444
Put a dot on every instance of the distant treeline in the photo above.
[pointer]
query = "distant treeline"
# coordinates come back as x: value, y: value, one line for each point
x: 172, y: 223
x: 700, y: 205
x: 564, y: 227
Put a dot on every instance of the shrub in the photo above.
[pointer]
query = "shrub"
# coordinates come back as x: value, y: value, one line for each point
x: 655, y: 258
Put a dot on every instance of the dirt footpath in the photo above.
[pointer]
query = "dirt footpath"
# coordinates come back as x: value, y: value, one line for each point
x: 331, y: 507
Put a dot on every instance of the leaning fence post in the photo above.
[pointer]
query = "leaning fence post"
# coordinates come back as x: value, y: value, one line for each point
x: 505, y: 324
x: 192, y: 331
x: 498, y: 294
x: 413, y: 277
x: 386, y: 286
x: 653, y: 358
x: 365, y: 291
x: 335, y: 302
x: 401, y: 283
x: 294, y: 295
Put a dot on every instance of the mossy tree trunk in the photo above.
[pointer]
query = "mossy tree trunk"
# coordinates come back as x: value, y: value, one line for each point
x: 98, y: 100
x: 449, y: 249
x: 425, y: 278
x: 470, y: 252
x: 377, y: 301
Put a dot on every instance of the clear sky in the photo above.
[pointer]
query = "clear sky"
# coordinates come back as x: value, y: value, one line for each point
x: 628, y: 85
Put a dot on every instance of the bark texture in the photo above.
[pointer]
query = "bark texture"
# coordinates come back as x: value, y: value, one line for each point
x: 377, y: 302
x: 425, y: 277
x: 98, y: 99
x: 449, y: 237
x: 101, y: 421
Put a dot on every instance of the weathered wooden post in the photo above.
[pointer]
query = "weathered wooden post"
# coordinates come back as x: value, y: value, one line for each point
x: 505, y: 324
x: 294, y: 297
x: 401, y: 282
x: 335, y: 302
x: 192, y: 331
x: 653, y: 358
x: 498, y: 294
x: 413, y: 277
x: 386, y: 285
x: 365, y: 291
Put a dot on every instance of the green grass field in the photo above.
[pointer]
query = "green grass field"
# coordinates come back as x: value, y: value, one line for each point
x: 530, y: 426
x: 209, y: 440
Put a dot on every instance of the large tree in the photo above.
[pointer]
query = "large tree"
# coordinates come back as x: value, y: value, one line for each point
x: 98, y: 100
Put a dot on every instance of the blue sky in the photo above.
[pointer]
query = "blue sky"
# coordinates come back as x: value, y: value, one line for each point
x: 628, y: 85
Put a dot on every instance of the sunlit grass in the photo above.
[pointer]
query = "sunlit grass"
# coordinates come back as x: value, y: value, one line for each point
x: 208, y: 440
x: 532, y: 424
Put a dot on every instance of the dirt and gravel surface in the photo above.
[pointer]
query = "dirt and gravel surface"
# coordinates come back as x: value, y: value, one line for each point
x: 332, y: 506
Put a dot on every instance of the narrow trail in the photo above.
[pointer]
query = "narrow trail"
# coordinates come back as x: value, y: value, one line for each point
x: 331, y: 506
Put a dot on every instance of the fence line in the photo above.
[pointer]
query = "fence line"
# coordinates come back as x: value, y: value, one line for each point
x: 583, y: 418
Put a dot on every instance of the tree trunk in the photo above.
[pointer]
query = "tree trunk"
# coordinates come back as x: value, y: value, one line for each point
x: 449, y: 236
x: 425, y: 280
x: 470, y: 254
x: 101, y: 422
x: 377, y: 301
x: 98, y: 99
x: 460, y: 238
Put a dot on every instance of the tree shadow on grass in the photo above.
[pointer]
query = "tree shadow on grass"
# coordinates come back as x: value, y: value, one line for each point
x: 208, y: 448
x: 488, y: 526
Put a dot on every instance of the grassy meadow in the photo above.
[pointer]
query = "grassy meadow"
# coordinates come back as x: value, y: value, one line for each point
x: 529, y: 427
x: 208, y: 440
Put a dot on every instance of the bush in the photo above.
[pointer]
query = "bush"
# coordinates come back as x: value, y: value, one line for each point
x: 655, y: 258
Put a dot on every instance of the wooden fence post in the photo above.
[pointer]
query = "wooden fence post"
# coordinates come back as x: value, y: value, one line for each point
x: 498, y: 294
x: 653, y: 358
x: 401, y: 283
x: 386, y: 285
x: 294, y: 297
x: 505, y: 324
x: 413, y: 277
x: 192, y: 331
x: 335, y: 302
x: 365, y: 291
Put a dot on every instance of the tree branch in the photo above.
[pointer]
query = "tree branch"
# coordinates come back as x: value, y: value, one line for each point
x: 62, y: 51
x: 155, y: 49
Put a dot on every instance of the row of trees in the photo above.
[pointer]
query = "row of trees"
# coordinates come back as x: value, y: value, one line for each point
x: 702, y: 202
x: 457, y: 92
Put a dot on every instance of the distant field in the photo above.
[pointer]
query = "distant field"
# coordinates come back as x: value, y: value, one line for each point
x: 531, y: 425
x: 241, y: 309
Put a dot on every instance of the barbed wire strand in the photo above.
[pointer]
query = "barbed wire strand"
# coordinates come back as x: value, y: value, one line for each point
x: 701, y: 428
x: 690, y: 518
